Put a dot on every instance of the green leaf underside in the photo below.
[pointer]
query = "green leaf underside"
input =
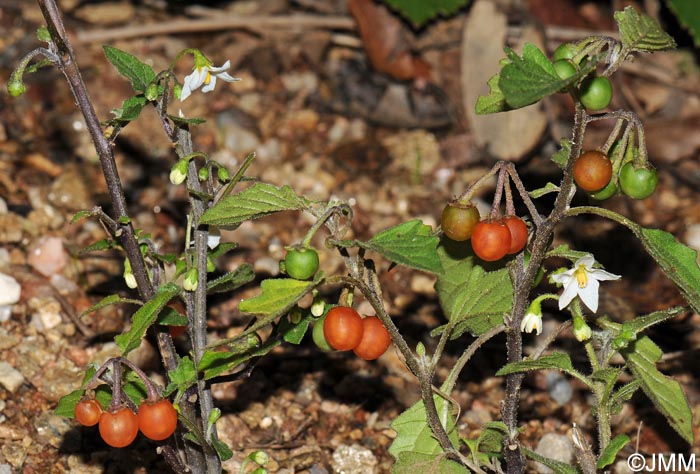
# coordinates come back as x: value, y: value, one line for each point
x: 222, y: 450
x: 413, y: 433
x: 666, y: 393
x: 259, y: 200
x: 495, y: 101
x: 561, y: 157
x: 103, y: 244
x: 557, y: 466
x: 107, y: 301
x: 139, y: 74
x: 490, y: 440
x: 608, y: 456
x: 529, y: 78
x: 145, y: 317
x: 410, y: 244
x: 293, y: 333
x: 556, y: 360
x: 640, y: 32
x: 231, y: 280
x: 215, y: 363
x: 688, y: 15
x: 183, y: 122
x: 546, y: 189
x: 472, y: 298
x: 420, y: 12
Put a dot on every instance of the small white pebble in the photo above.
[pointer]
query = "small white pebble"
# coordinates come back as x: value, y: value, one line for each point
x: 10, y: 290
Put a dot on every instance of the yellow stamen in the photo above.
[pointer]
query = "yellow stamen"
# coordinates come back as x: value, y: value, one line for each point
x: 208, y: 78
x: 581, y: 276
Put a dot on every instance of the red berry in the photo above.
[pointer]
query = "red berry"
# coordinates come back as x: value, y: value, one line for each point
x: 491, y: 240
x: 343, y: 328
x: 375, y: 339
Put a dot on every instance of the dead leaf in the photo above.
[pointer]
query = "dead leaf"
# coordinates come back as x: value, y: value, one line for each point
x: 510, y: 135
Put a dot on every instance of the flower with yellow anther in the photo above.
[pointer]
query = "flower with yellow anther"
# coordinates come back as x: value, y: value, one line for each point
x: 204, y: 73
x: 582, y: 281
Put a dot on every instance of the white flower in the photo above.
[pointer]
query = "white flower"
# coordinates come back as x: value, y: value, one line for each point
x: 582, y: 281
x: 532, y: 322
x: 205, y: 73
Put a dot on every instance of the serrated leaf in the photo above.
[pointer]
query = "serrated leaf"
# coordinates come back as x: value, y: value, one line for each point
x: 420, y: 12
x: 277, y: 297
x: 139, y: 74
x: 557, y: 467
x: 107, y: 301
x: 546, y: 189
x: 259, y: 200
x: 688, y: 15
x: 494, y: 102
x: 529, y: 78
x: 413, y: 433
x: 80, y: 215
x: 410, y: 462
x: 556, y: 360
x: 100, y: 245
x: 215, y: 363
x: 231, y: 280
x: 640, y: 32
x: 410, y: 244
x: 666, y: 394
x: 472, y: 298
x: 607, y: 457
x: 145, y: 317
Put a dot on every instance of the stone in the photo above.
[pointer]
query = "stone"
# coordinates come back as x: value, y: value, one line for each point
x: 10, y: 378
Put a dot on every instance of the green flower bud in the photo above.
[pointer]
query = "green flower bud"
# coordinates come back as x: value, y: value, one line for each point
x: 582, y: 331
x: 191, y: 280
x: 259, y: 457
x: 152, y: 91
x: 223, y: 175
x: 16, y: 87
x: 177, y: 90
x: 178, y: 173
x: 203, y: 173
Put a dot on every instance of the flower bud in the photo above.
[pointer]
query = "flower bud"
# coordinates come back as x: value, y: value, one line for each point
x: 177, y: 90
x: 152, y: 91
x: 178, y: 173
x: 203, y: 173
x: 129, y: 277
x: 582, y: 331
x: 223, y: 174
x: 16, y: 87
x: 191, y: 280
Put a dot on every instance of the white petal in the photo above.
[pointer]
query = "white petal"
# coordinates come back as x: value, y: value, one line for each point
x: 589, y: 294
x: 226, y: 66
x: 224, y: 76
x: 195, y: 79
x: 185, y: 92
x: 587, y: 261
x: 563, y: 277
x: 600, y: 275
x: 569, y: 293
x: 210, y: 87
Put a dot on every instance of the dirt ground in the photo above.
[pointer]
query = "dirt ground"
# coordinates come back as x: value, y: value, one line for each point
x: 324, y: 121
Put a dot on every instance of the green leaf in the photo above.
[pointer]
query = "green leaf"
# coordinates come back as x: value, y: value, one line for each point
x: 640, y: 32
x: 640, y: 323
x: 495, y: 101
x: 561, y: 157
x: 293, y: 333
x: 678, y: 261
x: 546, y: 189
x: 66, y: 405
x: 410, y: 462
x: 529, y: 78
x: 277, y: 297
x: 231, y: 280
x: 145, y: 317
x: 607, y: 457
x: 80, y: 215
x: 688, y: 15
x: 215, y: 363
x: 413, y: 433
x: 557, y: 466
x: 556, y: 360
x: 490, y: 440
x: 472, y: 298
x: 107, y: 301
x: 129, y: 66
x: 134, y: 387
x: 102, y: 244
x: 130, y: 111
x: 622, y: 395
x: 410, y: 244
x: 182, y: 378
x: 222, y: 450
x: 184, y: 122
x: 171, y: 317
x: 259, y: 200
x: 666, y: 394
x: 420, y: 12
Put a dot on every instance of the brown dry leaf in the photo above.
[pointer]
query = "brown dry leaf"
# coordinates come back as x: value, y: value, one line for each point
x: 383, y: 38
x: 506, y: 136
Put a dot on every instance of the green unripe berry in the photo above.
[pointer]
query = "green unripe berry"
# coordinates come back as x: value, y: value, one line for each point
x: 564, y: 51
x: 16, y: 87
x: 596, y: 92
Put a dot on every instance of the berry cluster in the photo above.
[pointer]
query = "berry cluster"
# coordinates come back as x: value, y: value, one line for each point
x: 343, y: 329
x: 118, y: 427
x: 595, y: 92
x: 594, y: 173
x: 491, y: 239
